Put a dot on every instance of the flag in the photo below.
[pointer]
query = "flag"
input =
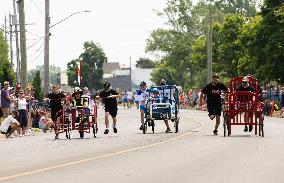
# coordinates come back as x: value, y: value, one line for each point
x: 79, y: 74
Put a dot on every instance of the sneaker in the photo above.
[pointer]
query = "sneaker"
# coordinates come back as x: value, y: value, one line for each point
x: 141, y: 127
x: 44, y: 130
x: 168, y: 130
x: 7, y: 135
x: 56, y: 137
x: 106, y: 131
x: 21, y: 135
x: 246, y: 129
x: 215, y: 132
x: 114, y: 130
x: 212, y: 117
x: 250, y: 128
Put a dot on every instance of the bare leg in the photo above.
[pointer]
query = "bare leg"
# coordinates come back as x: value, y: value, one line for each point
x: 217, y: 122
x: 106, y: 119
x: 114, y: 120
x: 142, y: 117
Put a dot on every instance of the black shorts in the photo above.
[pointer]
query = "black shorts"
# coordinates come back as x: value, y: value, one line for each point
x: 214, y: 110
x: 112, y: 111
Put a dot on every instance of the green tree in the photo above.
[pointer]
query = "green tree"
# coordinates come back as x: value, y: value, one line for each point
x: 92, y: 58
x: 145, y: 63
x: 53, y: 73
x: 227, y: 50
x: 72, y: 72
x: 37, y: 86
x: 269, y: 46
x: 6, y: 71
x: 242, y: 7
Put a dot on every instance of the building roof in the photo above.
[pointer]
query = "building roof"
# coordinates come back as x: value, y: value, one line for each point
x: 109, y: 67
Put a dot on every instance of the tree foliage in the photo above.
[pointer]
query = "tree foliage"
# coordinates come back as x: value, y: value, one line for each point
x: 92, y: 60
x: 244, y: 42
x: 145, y: 63
x: 53, y: 73
x: 37, y: 86
x: 6, y: 71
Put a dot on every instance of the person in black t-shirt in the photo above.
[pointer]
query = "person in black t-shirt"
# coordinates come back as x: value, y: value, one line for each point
x: 55, y: 103
x: 213, y: 92
x: 108, y: 97
x: 246, y: 87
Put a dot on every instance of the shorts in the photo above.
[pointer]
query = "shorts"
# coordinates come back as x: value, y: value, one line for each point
x: 214, y: 110
x: 112, y: 111
x: 8, y: 131
x: 6, y: 112
x: 142, y: 108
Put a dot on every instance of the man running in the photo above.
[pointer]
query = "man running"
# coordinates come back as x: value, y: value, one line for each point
x: 109, y: 97
x: 213, y: 91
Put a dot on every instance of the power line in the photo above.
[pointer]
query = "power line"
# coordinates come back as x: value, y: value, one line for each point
x: 37, y: 57
x: 37, y: 7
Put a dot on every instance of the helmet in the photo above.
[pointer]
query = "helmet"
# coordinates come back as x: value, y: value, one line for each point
x: 106, y: 85
x: 143, y: 83
x: 163, y: 82
x: 245, y: 79
x: 155, y: 90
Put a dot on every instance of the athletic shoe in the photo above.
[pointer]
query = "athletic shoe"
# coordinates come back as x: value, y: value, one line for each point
x: 250, y: 128
x: 212, y: 117
x: 246, y: 129
x: 215, y: 132
x: 7, y: 135
x: 106, y: 131
x: 114, y: 130
x: 56, y: 137
x: 168, y: 130
x: 141, y: 127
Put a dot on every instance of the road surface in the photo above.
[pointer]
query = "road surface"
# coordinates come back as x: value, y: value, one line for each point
x: 192, y: 155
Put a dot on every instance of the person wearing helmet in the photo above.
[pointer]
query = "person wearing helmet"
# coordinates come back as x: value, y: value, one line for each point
x: 213, y: 92
x: 245, y: 86
x: 109, y: 97
x: 158, y: 99
x: 142, y: 97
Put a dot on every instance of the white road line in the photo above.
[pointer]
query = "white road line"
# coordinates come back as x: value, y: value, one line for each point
x: 99, y: 157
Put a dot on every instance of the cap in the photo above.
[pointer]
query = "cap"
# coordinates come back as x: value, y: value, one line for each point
x: 245, y: 79
x: 85, y: 88
x: 155, y: 90
x: 215, y: 76
x: 55, y: 87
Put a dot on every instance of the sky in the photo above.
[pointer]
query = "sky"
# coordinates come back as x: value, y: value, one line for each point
x: 119, y: 27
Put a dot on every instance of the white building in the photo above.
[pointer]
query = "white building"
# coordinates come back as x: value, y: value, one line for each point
x: 138, y: 75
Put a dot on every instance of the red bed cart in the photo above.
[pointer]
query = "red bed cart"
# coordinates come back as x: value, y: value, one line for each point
x: 243, y: 107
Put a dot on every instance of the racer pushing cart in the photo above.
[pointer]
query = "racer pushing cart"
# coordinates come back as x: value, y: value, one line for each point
x: 161, y: 104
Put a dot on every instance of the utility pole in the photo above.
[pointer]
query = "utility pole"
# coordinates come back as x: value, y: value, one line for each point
x: 23, y: 74
x: 130, y: 70
x: 5, y: 27
x: 46, y: 47
x: 209, y: 48
x: 15, y: 22
x: 11, y: 40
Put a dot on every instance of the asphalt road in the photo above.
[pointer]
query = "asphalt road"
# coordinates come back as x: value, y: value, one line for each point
x: 192, y: 155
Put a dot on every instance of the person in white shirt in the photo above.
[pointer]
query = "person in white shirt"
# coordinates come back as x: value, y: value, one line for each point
x: 10, y: 124
x: 129, y: 99
x: 22, y: 111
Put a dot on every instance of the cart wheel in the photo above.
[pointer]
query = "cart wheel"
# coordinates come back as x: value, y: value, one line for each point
x: 261, y: 131
x: 225, y: 125
x: 81, y: 134
x: 229, y: 129
x: 176, y: 125
x: 153, y: 126
x: 145, y: 126
x: 94, y: 130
